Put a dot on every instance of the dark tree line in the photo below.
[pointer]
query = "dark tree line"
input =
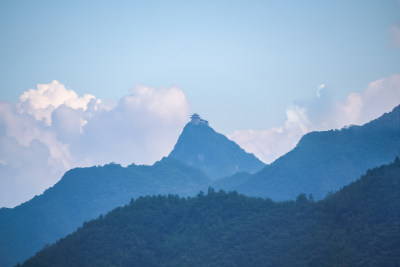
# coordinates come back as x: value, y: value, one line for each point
x: 357, y: 226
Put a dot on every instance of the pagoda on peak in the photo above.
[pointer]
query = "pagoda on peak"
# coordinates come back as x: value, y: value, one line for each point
x: 197, y: 120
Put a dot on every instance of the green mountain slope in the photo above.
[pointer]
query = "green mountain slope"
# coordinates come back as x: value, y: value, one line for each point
x: 324, y: 161
x: 202, y: 147
x: 83, y: 194
x: 358, y: 226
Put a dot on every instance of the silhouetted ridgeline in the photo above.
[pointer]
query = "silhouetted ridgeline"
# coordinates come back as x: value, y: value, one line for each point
x: 83, y: 194
x: 357, y: 226
x: 321, y: 162
x: 324, y: 161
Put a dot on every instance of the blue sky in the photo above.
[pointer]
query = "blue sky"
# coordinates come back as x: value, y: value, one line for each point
x: 240, y: 63
x: 252, y: 68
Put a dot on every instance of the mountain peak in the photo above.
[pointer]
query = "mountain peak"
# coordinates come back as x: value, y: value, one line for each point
x: 217, y: 156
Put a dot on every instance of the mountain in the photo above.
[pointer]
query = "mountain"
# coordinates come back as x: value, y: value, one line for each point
x: 357, y: 226
x: 323, y: 161
x: 83, y: 194
x: 202, y: 147
x: 320, y: 163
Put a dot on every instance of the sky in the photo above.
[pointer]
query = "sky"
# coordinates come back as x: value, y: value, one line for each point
x: 86, y: 83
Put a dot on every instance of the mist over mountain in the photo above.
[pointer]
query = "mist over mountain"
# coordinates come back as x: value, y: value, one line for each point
x: 202, y: 147
x: 83, y: 194
x: 323, y: 161
x: 357, y: 226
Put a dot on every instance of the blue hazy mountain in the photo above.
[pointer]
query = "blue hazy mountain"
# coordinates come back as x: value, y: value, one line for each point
x: 357, y: 226
x: 321, y: 162
x: 83, y: 194
x: 202, y: 147
x: 324, y: 161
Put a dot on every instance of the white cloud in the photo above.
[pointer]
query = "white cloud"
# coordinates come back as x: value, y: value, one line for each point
x: 166, y: 104
x: 146, y: 124
x: 359, y: 108
x: 52, y: 129
x: 319, y: 89
x: 377, y: 98
x: 268, y: 144
x: 41, y: 102
x: 28, y: 167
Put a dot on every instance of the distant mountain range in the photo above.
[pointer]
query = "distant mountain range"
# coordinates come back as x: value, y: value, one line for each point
x: 323, y: 162
x: 83, y: 194
x: 357, y: 226
x: 217, y: 156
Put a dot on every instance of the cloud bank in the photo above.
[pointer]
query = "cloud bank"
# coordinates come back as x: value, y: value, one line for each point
x: 51, y: 129
x: 321, y: 114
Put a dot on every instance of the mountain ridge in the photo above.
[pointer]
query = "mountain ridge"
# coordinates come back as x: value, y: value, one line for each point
x: 357, y: 226
x: 202, y: 147
x: 25, y: 229
x: 324, y: 161
x: 83, y: 194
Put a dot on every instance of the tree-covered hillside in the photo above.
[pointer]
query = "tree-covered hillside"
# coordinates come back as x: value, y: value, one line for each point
x: 202, y: 147
x: 83, y: 194
x: 324, y: 161
x: 357, y: 226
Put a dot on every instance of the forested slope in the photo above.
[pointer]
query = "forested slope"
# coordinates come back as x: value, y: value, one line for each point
x: 83, y: 194
x: 357, y: 226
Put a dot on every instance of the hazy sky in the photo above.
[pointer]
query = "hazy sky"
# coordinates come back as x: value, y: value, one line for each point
x: 117, y: 80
